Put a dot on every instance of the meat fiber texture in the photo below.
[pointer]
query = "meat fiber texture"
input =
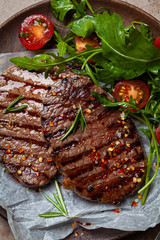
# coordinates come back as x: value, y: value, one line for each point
x: 23, y: 206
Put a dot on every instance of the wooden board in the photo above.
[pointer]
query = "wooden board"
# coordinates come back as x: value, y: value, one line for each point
x: 9, y: 42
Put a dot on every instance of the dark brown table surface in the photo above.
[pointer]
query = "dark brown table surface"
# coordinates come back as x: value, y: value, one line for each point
x: 9, y: 42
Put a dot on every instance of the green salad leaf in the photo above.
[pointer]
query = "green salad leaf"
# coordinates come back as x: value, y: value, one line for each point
x: 136, y: 56
x: 61, y: 7
x: 83, y: 27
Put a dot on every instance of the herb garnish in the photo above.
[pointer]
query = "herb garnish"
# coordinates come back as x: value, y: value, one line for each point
x: 59, y: 204
x: 10, y: 108
x: 23, y: 34
x: 79, y: 118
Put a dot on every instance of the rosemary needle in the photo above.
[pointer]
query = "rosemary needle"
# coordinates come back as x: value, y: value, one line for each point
x: 10, y: 108
x: 73, y: 128
x: 59, y: 204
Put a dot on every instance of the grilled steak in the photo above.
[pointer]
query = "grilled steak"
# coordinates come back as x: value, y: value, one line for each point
x: 106, y: 161
x: 103, y: 163
x: 23, y: 149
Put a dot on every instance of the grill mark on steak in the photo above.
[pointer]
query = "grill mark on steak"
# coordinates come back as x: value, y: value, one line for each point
x: 23, y: 149
x: 98, y: 157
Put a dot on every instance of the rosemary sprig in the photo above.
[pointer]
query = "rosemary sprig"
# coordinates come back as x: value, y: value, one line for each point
x: 10, y: 108
x: 79, y: 117
x: 59, y: 204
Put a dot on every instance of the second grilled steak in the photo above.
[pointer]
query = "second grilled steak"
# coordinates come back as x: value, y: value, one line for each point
x: 23, y: 149
x: 106, y: 161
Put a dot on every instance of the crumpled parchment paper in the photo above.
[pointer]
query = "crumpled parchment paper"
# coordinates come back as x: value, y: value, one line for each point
x: 23, y: 206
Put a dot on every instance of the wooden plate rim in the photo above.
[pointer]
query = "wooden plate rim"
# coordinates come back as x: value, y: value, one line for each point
x: 115, y: 2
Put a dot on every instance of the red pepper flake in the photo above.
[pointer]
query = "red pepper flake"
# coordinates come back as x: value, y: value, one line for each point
x: 62, y: 115
x: 128, y: 149
x: 59, y: 184
x: 12, y: 176
x: 116, y: 210
x: 47, y: 129
x: 134, y: 204
x: 76, y: 234
x: 92, y: 98
x: 49, y: 160
x: 121, y: 145
x: 10, y: 155
x: 73, y: 226
x: 54, y: 93
x: 8, y: 145
x: 117, y: 151
x: 121, y: 171
x: 8, y: 150
x: 51, y: 124
x: 78, y: 222
x: 20, y: 150
x: 37, y: 174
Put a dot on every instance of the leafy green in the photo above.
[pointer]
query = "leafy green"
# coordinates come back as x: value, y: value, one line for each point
x: 137, y: 56
x: 143, y: 28
x: 83, y: 27
x: 146, y: 132
x: 61, y: 7
x: 64, y: 44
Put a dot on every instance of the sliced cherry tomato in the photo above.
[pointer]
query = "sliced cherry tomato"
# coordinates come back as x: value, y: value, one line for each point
x: 124, y: 89
x: 81, y: 42
x: 157, y: 134
x: 35, y: 31
x: 157, y: 43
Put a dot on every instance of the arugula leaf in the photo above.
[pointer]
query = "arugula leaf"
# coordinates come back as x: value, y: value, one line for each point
x: 146, y: 132
x: 63, y: 43
x: 83, y: 27
x: 136, y: 57
x: 143, y: 28
x: 37, y: 63
x: 61, y: 7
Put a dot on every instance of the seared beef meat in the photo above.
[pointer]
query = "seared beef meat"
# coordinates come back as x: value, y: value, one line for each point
x: 23, y: 149
x: 106, y: 161
x: 103, y: 163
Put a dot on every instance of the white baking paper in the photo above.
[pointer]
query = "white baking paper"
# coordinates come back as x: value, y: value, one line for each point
x: 23, y: 206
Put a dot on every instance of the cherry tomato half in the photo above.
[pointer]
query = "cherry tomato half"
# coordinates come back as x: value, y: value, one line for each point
x: 35, y: 31
x: 157, y: 43
x: 81, y: 42
x: 157, y: 134
x: 124, y: 89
